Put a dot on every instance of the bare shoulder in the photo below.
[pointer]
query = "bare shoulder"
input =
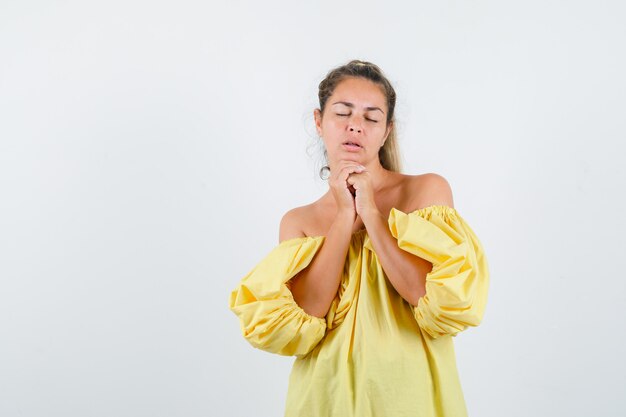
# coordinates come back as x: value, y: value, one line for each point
x: 430, y: 189
x: 291, y: 224
x: 305, y: 220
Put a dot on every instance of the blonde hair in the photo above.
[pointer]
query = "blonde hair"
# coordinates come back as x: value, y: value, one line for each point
x: 389, y: 153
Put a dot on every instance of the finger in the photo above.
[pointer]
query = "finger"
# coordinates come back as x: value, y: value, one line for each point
x: 345, y: 164
x: 354, y: 179
x: 346, y: 171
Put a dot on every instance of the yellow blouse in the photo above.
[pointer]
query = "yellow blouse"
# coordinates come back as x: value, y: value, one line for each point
x: 374, y: 354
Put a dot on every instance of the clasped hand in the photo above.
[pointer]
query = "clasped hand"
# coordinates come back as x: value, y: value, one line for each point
x: 352, y: 188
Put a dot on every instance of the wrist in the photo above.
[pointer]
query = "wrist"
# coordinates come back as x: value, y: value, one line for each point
x: 347, y: 215
x: 343, y: 221
x: 341, y: 225
x: 371, y: 215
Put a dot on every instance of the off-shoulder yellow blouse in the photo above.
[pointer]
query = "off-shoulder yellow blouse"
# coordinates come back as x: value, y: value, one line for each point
x: 374, y: 354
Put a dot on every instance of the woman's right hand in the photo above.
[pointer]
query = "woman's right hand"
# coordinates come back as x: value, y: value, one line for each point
x: 341, y: 189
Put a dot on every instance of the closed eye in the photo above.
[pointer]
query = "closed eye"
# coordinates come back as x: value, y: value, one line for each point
x: 340, y: 114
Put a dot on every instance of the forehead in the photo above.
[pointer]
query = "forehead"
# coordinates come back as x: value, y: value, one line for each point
x: 361, y: 92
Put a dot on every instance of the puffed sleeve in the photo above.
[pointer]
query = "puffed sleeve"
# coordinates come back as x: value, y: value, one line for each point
x: 456, y: 288
x: 269, y: 316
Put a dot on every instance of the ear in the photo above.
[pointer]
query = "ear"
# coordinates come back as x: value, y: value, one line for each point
x: 317, y: 114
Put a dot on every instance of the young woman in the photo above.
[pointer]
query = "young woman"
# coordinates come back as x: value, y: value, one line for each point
x: 368, y: 284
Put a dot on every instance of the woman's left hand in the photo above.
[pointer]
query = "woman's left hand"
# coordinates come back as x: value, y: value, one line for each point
x: 364, y: 201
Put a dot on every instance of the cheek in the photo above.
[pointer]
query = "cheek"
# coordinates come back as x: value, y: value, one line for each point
x: 336, y: 124
x: 381, y: 129
x: 332, y: 128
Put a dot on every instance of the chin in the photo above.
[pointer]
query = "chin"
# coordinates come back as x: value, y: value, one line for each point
x: 349, y: 157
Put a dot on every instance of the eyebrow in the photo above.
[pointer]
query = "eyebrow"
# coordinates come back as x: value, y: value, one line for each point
x: 345, y: 103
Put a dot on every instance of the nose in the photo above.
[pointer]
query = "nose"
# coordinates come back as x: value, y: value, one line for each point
x: 354, y: 127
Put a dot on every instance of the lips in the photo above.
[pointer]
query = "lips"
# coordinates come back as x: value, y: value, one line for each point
x: 352, y: 147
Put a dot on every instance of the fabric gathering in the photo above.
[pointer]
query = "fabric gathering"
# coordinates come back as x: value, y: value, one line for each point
x: 373, y: 354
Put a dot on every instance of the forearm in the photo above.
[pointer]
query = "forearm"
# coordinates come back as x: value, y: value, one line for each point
x: 315, y: 287
x: 406, y: 272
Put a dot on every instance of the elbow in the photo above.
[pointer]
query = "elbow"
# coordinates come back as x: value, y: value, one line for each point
x: 308, y: 299
x: 415, y: 296
x: 418, y: 270
x: 317, y: 313
x: 315, y: 309
x: 418, y: 288
x: 311, y: 305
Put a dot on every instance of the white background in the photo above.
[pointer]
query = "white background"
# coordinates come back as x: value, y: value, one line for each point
x: 148, y: 150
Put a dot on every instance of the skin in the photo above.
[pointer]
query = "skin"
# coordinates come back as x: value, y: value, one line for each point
x: 338, y: 214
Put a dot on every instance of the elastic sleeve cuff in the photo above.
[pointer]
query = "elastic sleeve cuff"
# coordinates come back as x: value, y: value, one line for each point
x: 457, y: 286
x: 270, y: 318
